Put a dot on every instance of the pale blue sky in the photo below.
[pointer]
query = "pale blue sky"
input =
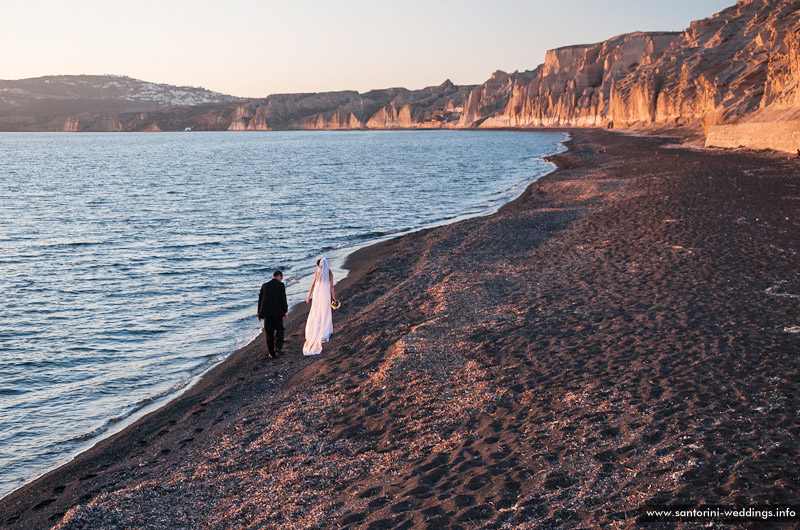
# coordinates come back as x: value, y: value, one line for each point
x: 254, y: 48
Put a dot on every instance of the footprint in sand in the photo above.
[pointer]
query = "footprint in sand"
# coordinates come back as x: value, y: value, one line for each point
x: 380, y: 502
x: 371, y: 492
x: 403, y: 506
x: 353, y: 518
x: 419, y: 492
x: 558, y: 480
x: 43, y: 504
x: 478, y: 482
x: 477, y: 513
x: 463, y: 501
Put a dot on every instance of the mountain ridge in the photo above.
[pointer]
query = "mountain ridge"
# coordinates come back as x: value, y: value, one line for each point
x: 59, y: 102
x: 734, y: 77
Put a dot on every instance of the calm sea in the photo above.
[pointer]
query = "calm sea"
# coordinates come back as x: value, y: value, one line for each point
x: 130, y: 263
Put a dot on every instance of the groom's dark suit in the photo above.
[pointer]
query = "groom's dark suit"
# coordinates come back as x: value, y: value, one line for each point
x: 272, y: 307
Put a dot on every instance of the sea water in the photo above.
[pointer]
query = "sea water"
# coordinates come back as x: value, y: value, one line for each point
x: 130, y: 263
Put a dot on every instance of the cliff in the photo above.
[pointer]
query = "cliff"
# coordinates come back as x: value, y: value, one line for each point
x: 392, y: 108
x: 583, y: 85
x: 734, y: 76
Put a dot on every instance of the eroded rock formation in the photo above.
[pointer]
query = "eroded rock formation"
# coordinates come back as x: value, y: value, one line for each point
x: 735, y: 76
x: 392, y: 108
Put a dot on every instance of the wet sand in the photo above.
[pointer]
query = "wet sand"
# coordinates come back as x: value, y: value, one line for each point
x: 625, y: 333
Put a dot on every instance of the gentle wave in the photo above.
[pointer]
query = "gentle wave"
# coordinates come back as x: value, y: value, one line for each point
x: 118, y: 296
x: 139, y: 405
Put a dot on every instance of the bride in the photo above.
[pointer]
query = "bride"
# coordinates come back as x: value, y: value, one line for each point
x: 319, y: 325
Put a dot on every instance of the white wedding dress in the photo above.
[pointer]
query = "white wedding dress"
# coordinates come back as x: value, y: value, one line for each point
x: 319, y: 325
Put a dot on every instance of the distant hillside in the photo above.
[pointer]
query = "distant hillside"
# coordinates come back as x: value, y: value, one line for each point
x: 734, y: 76
x: 56, y: 103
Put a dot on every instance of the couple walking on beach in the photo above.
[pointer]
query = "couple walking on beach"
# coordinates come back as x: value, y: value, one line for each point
x: 272, y: 309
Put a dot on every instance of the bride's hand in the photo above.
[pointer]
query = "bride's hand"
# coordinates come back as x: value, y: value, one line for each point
x: 308, y: 299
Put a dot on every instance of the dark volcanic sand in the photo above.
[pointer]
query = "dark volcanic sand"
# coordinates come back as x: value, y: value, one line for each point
x: 624, y: 333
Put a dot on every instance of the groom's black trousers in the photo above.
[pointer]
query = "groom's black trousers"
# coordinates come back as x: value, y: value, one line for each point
x: 273, y: 328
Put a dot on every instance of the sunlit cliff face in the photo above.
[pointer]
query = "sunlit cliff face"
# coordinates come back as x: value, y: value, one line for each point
x: 741, y: 67
x: 734, y: 76
x: 738, y: 66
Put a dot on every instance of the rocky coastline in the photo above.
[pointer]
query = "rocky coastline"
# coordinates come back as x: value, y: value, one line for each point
x: 733, y: 78
x: 624, y: 333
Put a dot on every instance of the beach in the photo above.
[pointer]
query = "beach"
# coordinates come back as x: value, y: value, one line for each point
x: 625, y: 333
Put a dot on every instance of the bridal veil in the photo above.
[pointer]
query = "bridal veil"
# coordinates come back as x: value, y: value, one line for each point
x: 319, y: 325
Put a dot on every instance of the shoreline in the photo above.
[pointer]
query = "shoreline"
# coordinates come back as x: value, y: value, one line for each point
x: 375, y: 337
x: 341, y: 257
x: 114, y: 425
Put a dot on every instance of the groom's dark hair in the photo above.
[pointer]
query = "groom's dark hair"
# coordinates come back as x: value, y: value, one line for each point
x: 276, y: 274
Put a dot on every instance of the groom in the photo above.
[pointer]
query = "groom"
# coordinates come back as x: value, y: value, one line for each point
x: 272, y: 308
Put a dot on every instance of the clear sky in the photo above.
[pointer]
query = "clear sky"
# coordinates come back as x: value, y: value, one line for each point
x: 253, y: 48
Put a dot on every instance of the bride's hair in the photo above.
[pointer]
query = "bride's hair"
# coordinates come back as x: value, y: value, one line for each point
x: 320, y: 259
